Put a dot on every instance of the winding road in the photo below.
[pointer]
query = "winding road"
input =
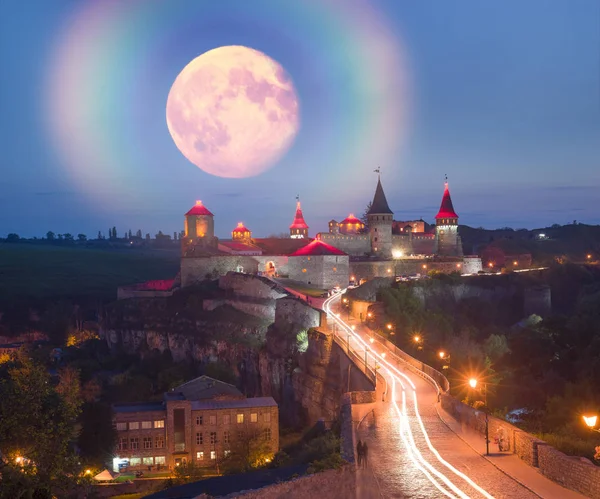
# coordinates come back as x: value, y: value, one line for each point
x: 412, y: 452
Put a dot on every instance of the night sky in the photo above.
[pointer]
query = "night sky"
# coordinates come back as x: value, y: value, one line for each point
x: 503, y: 97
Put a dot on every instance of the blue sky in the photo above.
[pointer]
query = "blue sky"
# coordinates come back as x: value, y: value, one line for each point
x: 504, y: 98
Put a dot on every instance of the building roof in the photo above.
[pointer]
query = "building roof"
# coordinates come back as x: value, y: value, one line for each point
x: 279, y: 246
x: 446, y: 208
x: 351, y: 219
x: 157, y: 285
x: 243, y: 403
x: 198, y: 210
x: 139, y: 407
x: 236, y: 246
x: 241, y: 228
x: 201, y: 388
x: 379, y: 204
x: 317, y: 248
x: 299, y: 222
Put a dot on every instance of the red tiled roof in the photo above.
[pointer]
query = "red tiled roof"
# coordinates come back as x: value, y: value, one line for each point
x: 299, y: 222
x: 241, y: 228
x: 446, y: 208
x: 236, y: 246
x: 198, y: 210
x: 280, y: 246
x: 317, y: 248
x: 351, y: 219
x: 159, y: 285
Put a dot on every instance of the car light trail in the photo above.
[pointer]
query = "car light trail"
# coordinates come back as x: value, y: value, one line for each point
x: 405, y: 429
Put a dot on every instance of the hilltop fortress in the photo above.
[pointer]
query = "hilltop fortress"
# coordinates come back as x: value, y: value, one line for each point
x: 349, y: 251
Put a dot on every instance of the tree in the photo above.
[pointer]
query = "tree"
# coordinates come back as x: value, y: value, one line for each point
x: 12, y: 238
x: 50, y: 235
x: 81, y: 237
x: 68, y: 237
x: 365, y: 217
x: 98, y: 436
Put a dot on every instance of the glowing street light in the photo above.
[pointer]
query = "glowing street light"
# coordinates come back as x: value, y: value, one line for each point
x: 383, y: 355
x: 591, y: 422
x: 88, y: 472
x: 490, y: 265
x: 389, y: 326
x: 371, y: 339
x: 589, y: 257
x: 473, y: 383
x: 442, y: 354
x: 369, y: 315
x: 353, y: 327
x: 417, y: 338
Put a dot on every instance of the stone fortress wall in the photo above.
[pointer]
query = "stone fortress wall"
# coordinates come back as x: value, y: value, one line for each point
x: 353, y: 244
x: 323, y: 272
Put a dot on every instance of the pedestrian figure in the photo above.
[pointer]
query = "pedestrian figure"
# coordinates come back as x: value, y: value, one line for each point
x: 359, y: 452
x: 365, y: 454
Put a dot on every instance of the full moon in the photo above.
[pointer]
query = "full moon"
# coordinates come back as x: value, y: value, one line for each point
x: 233, y: 112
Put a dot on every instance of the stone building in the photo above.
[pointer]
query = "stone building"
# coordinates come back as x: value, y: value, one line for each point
x: 299, y: 228
x: 201, y: 421
x: 448, y: 242
x: 380, y: 219
x: 320, y: 265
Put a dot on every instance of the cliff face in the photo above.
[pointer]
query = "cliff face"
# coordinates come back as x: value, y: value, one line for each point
x: 262, y: 351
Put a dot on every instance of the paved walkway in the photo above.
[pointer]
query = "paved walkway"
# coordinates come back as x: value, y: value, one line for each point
x: 416, y: 450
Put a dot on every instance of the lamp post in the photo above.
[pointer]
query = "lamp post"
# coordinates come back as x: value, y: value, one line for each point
x: 591, y: 422
x: 473, y: 384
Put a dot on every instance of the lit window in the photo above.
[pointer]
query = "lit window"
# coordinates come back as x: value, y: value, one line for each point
x: 159, y: 442
x: 227, y: 419
x: 213, y: 420
x: 198, y: 420
x: 159, y: 460
x: 304, y: 270
x: 240, y: 418
x: 199, y: 456
x: 267, y: 417
x: 134, y: 426
x: 227, y: 452
x: 213, y: 454
x: 308, y: 258
x: 159, y: 424
x: 135, y: 461
x: 146, y: 425
x: 253, y: 417
x: 148, y: 461
x: 121, y: 426
x: 199, y: 439
x: 147, y: 442
x: 134, y: 443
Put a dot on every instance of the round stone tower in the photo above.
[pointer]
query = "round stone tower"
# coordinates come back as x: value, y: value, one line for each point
x: 380, y: 224
x: 199, y: 228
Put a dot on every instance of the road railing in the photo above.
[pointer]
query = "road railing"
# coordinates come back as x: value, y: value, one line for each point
x: 359, y: 360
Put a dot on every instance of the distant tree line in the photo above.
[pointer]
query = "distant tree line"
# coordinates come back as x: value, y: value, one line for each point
x: 68, y: 238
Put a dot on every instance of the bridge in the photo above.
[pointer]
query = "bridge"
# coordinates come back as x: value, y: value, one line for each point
x: 416, y: 449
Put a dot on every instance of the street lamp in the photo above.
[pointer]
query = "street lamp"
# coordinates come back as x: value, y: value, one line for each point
x: 473, y: 384
x: 591, y: 421
x: 442, y: 354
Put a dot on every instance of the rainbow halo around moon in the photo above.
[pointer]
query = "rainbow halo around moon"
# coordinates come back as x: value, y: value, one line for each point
x: 233, y: 112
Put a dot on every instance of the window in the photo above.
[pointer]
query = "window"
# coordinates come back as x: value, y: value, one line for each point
x: 146, y: 425
x: 159, y: 460
x: 213, y: 420
x: 147, y: 442
x: 200, y: 456
x: 213, y: 437
x: 159, y: 442
x: 240, y: 418
x: 213, y: 454
x: 198, y: 420
x: 121, y: 426
x: 267, y: 417
x: 134, y: 426
x: 135, y: 461
x: 226, y: 437
x: 123, y: 443
x: 159, y: 424
x: 227, y: 452
x: 199, y: 439
x: 304, y: 270
x: 227, y: 419
x: 134, y: 443
x: 253, y: 417
x: 148, y: 461
x: 267, y: 434
x: 308, y: 258
x: 241, y: 435
x: 375, y: 239
x: 334, y: 269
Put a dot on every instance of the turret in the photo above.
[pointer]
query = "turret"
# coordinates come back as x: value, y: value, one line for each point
x: 448, y: 241
x: 241, y: 233
x: 199, y: 228
x: 299, y: 228
x: 380, y: 224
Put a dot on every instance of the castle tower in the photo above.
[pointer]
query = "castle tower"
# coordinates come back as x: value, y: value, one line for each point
x: 241, y: 233
x: 199, y: 228
x: 447, y: 240
x: 380, y: 223
x: 298, y: 229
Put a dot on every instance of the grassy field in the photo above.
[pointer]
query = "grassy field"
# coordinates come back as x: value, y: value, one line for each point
x: 306, y: 289
x: 42, y: 272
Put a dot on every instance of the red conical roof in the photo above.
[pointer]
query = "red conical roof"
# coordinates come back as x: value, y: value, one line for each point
x: 199, y: 209
x: 299, y: 222
x: 446, y: 208
x: 317, y: 248
x: 241, y: 228
x: 352, y: 220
